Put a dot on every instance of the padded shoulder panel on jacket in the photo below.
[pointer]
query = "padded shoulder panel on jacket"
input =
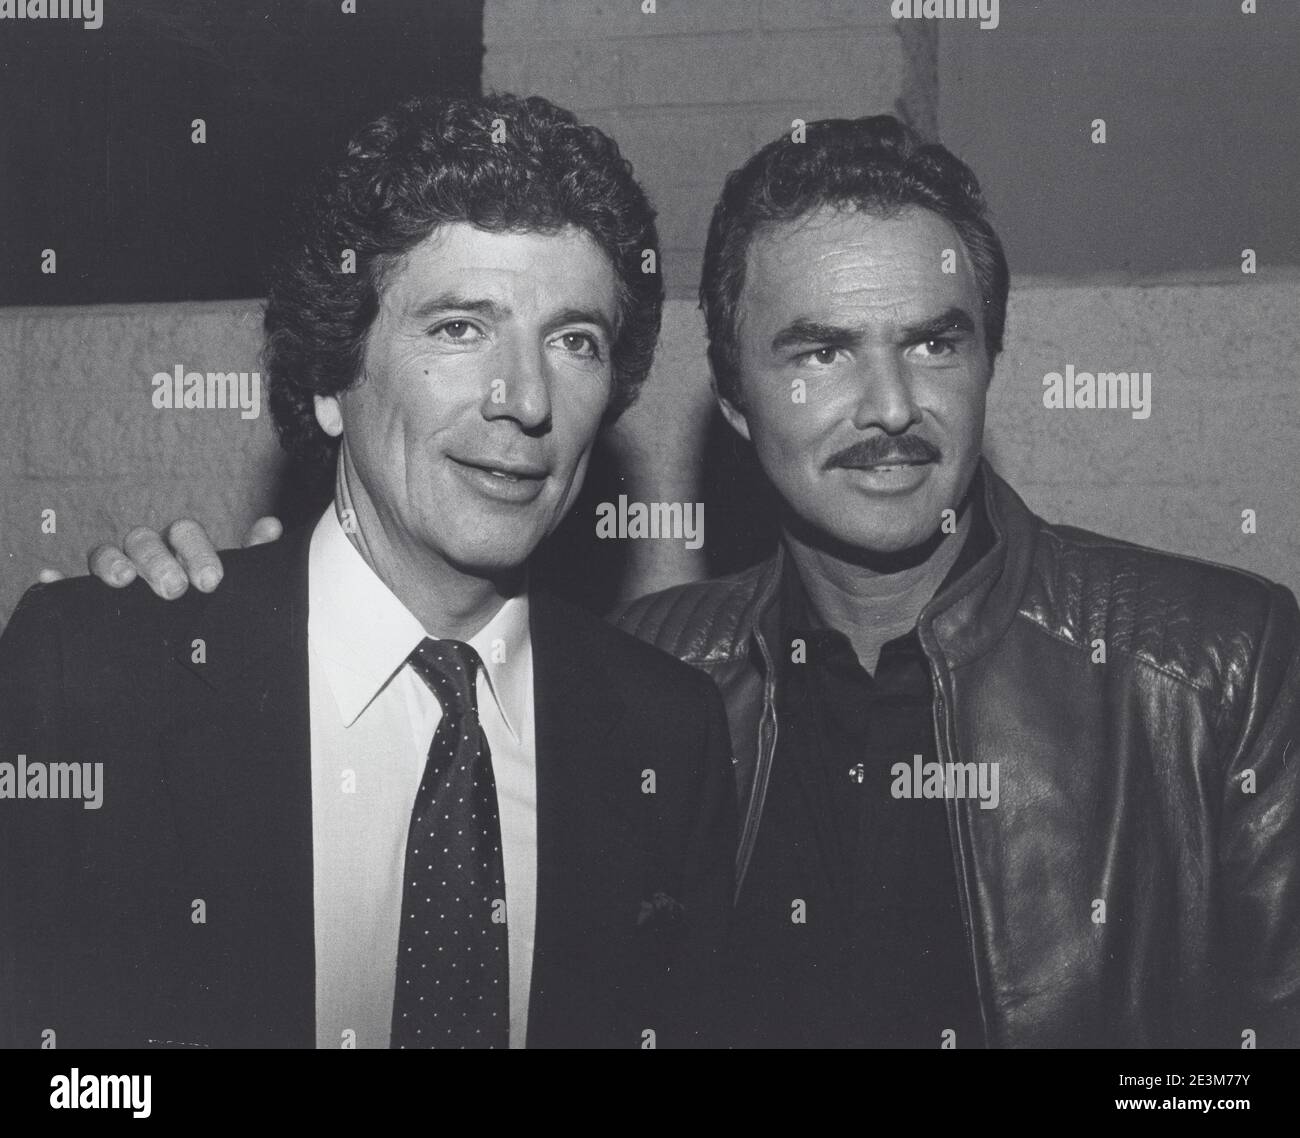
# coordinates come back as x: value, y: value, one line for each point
x: 1199, y: 622
x: 695, y: 622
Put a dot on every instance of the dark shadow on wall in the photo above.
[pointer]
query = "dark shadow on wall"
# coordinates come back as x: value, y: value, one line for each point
x: 97, y: 158
x: 739, y: 523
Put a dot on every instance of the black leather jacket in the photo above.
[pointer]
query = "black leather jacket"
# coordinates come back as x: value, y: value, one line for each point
x: 1139, y: 882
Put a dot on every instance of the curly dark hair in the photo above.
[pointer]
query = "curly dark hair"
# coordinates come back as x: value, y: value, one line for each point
x: 429, y: 162
x: 874, y: 164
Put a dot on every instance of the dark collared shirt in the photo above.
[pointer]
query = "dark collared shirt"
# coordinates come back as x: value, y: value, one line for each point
x: 880, y: 957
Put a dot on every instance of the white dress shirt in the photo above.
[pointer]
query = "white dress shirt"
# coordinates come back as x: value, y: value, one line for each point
x: 372, y: 720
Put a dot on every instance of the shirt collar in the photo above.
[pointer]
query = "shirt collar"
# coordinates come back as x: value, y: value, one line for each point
x: 363, y: 634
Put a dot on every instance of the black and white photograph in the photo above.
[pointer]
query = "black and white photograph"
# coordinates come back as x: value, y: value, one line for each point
x: 650, y: 524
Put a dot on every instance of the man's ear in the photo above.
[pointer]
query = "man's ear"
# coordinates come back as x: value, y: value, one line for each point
x: 731, y: 411
x: 329, y: 415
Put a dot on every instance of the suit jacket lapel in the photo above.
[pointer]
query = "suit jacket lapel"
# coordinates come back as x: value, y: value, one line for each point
x: 238, y: 771
x: 577, y: 705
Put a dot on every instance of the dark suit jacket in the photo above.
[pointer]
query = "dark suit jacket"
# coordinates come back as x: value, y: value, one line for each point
x: 207, y: 798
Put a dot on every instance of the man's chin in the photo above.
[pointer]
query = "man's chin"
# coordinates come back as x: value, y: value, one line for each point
x: 491, y: 559
x: 866, y: 535
x: 875, y: 545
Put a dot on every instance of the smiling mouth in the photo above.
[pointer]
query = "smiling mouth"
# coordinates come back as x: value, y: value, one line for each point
x: 892, y: 464
x: 505, y: 472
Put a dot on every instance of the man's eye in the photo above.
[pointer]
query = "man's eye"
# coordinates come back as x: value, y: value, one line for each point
x: 938, y: 347
x: 821, y: 356
x: 580, y: 344
x: 461, y: 331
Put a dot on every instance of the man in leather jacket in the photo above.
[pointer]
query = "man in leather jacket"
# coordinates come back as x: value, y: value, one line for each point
x: 1136, y: 879
x: 1002, y: 782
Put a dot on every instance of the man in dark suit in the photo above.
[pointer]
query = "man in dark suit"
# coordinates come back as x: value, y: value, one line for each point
x: 376, y: 791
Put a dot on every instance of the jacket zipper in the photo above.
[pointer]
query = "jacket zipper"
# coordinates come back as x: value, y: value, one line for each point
x: 948, y: 753
x: 762, y: 769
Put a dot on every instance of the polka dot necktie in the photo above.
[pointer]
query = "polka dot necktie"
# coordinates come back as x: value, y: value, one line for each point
x: 453, y: 981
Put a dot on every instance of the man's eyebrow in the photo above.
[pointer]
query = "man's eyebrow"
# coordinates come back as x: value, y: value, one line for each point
x: 813, y: 332
x: 800, y: 332
x: 446, y: 301
x: 953, y: 320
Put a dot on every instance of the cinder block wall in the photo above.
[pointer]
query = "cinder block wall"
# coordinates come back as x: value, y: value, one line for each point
x: 81, y: 436
x: 693, y: 89
x: 1224, y: 431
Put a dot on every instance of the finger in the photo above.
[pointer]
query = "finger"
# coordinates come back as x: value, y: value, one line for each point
x: 263, y: 530
x: 111, y: 565
x: 49, y: 576
x: 155, y: 563
x: 196, y: 553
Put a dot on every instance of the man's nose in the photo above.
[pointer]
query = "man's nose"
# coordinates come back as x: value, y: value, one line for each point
x: 885, y: 397
x: 521, y: 391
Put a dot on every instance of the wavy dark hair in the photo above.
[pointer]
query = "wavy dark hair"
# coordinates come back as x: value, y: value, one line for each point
x: 430, y: 162
x: 873, y: 164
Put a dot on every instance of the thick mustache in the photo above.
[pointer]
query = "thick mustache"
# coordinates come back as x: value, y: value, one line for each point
x: 881, y: 449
